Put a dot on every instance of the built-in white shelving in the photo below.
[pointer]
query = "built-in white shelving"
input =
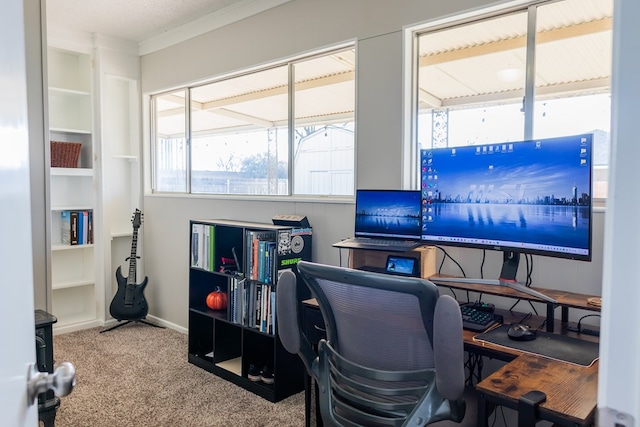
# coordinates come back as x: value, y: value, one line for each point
x: 75, y: 283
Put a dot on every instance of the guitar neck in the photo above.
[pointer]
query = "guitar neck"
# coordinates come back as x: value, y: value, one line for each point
x: 131, y: 279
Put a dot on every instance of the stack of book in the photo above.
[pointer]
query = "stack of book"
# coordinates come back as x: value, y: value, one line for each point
x: 252, y: 305
x: 261, y: 254
x: 76, y: 227
x: 203, y: 246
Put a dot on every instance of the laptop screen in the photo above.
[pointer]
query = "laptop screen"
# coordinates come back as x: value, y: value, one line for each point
x: 388, y: 214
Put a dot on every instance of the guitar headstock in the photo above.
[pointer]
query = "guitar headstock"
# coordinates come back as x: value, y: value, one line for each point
x: 136, y: 220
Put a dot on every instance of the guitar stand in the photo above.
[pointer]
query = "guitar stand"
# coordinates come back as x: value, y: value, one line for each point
x: 129, y: 321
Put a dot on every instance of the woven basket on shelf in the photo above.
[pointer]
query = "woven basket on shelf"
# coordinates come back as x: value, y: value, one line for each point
x: 65, y: 154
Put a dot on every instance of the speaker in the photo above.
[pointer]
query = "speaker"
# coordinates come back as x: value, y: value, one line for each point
x: 290, y: 220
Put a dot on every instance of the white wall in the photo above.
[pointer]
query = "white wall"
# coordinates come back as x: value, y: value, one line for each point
x: 290, y: 29
x: 619, y: 373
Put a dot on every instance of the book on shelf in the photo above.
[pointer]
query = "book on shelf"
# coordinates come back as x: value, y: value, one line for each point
x: 258, y: 306
x: 255, y: 252
x: 85, y: 227
x: 203, y: 246
x: 76, y: 227
x: 270, y: 254
x: 262, y: 244
x: 80, y: 223
x: 272, y: 303
x: 195, y: 236
x: 65, y: 227
x: 73, y: 228
x: 212, y: 247
x: 90, y: 227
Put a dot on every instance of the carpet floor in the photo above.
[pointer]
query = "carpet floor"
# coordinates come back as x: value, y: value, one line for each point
x: 138, y: 375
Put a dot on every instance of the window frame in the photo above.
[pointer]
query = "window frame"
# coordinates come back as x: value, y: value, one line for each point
x: 411, y: 86
x: 290, y: 63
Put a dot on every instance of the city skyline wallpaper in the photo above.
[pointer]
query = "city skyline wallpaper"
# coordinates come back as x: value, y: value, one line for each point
x: 533, y: 196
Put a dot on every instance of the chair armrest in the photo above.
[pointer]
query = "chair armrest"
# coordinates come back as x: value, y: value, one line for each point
x: 288, y: 321
x: 448, y: 348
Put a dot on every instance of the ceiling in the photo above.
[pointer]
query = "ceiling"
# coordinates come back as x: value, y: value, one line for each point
x: 140, y: 21
x: 476, y: 63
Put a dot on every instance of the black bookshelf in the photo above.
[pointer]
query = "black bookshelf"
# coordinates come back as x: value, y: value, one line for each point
x: 228, y: 340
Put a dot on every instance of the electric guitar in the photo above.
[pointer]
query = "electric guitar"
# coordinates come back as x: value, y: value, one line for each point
x: 129, y: 302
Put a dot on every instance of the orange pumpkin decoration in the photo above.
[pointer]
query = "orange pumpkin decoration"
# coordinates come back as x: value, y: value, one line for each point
x: 217, y: 300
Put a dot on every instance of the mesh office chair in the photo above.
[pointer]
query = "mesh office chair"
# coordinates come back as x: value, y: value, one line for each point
x: 394, y: 351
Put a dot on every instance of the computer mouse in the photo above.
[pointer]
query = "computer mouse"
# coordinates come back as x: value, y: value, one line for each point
x: 520, y: 332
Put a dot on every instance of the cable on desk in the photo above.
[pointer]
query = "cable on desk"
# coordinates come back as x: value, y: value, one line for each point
x: 528, y: 315
x: 446, y: 255
x: 544, y: 322
x: 495, y: 415
x: 340, y: 258
x: 529, y: 259
x: 474, y: 364
x: 455, y: 297
x: 585, y: 330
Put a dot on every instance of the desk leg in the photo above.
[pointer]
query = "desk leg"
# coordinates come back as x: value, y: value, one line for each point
x: 550, y: 317
x: 483, y: 412
x: 319, y: 422
x: 307, y: 400
x: 308, y: 383
x: 528, y: 408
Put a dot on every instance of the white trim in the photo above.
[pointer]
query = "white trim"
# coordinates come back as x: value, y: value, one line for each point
x: 619, y: 369
x: 153, y: 319
x: 111, y: 43
x: 207, y: 23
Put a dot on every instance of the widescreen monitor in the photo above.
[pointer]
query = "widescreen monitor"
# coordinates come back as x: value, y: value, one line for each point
x: 529, y: 196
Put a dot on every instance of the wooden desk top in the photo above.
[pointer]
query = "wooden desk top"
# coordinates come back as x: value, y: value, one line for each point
x: 571, y: 389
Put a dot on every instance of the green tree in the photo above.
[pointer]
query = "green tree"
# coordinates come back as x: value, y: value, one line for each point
x: 257, y: 166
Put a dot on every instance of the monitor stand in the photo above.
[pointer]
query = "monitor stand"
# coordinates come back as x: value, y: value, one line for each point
x: 507, y: 278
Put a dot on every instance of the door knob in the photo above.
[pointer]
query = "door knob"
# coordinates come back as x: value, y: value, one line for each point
x: 61, y: 381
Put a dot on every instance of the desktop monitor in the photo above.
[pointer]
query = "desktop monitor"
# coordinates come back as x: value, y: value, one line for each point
x: 529, y: 197
x: 388, y: 214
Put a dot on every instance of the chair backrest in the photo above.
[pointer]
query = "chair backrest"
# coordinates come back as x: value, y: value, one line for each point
x: 391, y: 357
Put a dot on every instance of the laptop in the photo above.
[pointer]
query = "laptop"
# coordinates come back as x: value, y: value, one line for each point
x: 386, y: 220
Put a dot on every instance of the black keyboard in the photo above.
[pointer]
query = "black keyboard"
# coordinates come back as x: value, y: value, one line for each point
x: 475, y: 319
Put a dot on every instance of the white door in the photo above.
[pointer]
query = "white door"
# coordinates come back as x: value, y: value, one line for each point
x: 17, y: 324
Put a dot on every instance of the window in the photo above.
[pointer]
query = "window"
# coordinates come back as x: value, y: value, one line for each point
x: 473, y: 86
x: 258, y: 134
x: 170, y: 149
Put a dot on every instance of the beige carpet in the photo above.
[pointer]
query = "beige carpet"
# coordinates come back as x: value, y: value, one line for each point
x: 138, y: 375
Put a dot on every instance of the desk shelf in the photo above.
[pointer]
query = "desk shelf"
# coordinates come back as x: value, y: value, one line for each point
x: 565, y: 299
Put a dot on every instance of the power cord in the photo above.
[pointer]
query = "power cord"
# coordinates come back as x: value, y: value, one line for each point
x: 495, y: 416
x: 526, y: 316
x: 587, y: 331
x: 446, y: 255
